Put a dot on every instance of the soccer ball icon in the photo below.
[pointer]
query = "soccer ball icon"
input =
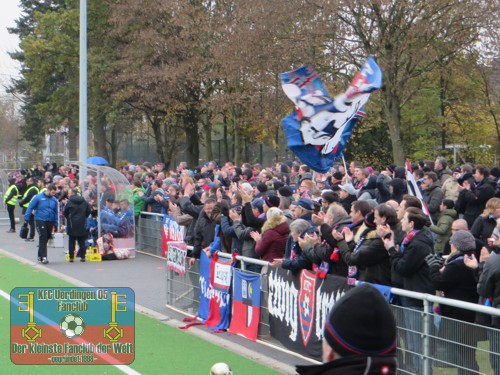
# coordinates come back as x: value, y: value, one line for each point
x: 72, y: 325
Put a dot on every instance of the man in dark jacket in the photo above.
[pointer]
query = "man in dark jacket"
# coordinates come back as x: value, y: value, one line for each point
x: 204, y: 232
x: 408, y: 261
x: 433, y: 195
x: 474, y: 192
x: 358, y: 340
x: 457, y: 282
x: 76, y: 212
x: 10, y: 199
x: 45, y: 207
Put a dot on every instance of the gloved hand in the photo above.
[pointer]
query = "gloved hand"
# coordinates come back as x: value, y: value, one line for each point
x: 434, y: 260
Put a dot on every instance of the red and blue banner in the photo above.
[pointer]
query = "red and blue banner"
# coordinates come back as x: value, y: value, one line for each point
x: 172, y: 232
x: 320, y: 127
x: 246, y: 304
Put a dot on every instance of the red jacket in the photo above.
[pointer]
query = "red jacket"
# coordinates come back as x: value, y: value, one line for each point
x: 272, y: 244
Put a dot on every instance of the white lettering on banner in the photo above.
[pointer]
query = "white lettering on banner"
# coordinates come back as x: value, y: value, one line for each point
x: 209, y: 292
x: 173, y: 231
x: 283, y: 302
x: 222, y: 274
x: 324, y: 303
x: 176, y: 259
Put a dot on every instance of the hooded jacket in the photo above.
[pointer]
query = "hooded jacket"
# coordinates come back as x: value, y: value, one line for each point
x: 442, y: 229
x: 76, y: 212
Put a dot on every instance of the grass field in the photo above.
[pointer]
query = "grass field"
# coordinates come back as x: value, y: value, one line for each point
x: 159, y: 348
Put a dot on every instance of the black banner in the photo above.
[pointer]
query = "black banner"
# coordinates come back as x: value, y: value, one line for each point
x: 298, y: 305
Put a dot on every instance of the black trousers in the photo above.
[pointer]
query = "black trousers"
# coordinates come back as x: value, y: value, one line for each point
x: 31, y: 224
x: 81, y: 244
x: 10, y: 210
x: 44, y: 229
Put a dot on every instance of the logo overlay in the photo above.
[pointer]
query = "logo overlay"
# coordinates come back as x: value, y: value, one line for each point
x: 86, y: 326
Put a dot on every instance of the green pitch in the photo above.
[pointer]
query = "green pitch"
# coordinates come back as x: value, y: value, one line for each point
x: 159, y: 348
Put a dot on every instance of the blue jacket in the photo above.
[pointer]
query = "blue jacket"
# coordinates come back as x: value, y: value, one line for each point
x: 45, y: 208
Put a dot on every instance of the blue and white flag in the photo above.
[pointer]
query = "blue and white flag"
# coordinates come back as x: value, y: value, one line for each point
x: 319, y: 128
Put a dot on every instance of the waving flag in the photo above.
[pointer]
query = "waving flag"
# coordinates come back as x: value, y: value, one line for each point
x: 319, y: 128
x: 246, y: 304
x: 414, y: 190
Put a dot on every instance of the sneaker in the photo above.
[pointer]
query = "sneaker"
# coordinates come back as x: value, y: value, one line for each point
x: 11, y: 230
x: 29, y: 240
x: 71, y: 260
x: 45, y: 260
x: 82, y: 259
x: 39, y: 259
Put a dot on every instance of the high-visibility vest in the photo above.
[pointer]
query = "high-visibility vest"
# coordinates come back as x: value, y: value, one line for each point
x: 26, y: 193
x: 13, y: 200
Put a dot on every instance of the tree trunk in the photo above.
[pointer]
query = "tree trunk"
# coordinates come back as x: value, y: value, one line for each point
x: 226, y: 143
x: 392, y: 110
x: 99, y: 132
x: 193, y: 147
x: 208, y: 139
x: 114, y: 147
x: 237, y: 145
x: 156, y: 125
x: 442, y: 107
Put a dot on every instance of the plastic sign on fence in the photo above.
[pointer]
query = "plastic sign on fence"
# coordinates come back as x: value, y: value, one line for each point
x: 68, y: 326
x: 172, y: 231
x: 176, y: 257
x: 299, y: 305
x: 246, y: 304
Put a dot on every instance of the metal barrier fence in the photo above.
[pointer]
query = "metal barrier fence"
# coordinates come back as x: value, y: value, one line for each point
x: 148, y: 233
x: 427, y: 342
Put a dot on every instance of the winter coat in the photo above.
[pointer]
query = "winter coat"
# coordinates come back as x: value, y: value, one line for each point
x: 410, y: 265
x: 190, y: 207
x: 444, y: 175
x: 443, y: 229
x: 76, y: 212
x: 346, y: 203
x: 45, y: 206
x: 483, y: 228
x: 353, y: 365
x: 273, y: 241
x: 204, y: 233
x: 471, y: 203
x: 456, y: 281
x: 370, y: 256
x: 247, y: 242
x: 433, y: 196
x: 138, y: 202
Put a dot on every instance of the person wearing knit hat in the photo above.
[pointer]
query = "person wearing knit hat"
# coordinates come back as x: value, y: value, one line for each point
x: 272, y: 201
x: 285, y: 191
x: 358, y: 340
x: 456, y: 281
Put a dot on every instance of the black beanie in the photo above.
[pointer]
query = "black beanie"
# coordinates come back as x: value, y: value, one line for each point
x: 285, y: 191
x: 361, y: 322
x: 272, y: 200
x: 262, y: 187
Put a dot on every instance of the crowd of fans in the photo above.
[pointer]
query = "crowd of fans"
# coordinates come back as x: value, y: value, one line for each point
x: 356, y: 223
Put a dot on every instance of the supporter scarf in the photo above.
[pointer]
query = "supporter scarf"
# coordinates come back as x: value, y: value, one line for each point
x: 408, y: 238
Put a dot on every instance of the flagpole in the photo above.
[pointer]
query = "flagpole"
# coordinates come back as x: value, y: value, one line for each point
x: 83, y: 84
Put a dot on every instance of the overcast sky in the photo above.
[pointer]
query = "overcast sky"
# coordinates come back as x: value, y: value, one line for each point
x: 9, y: 12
